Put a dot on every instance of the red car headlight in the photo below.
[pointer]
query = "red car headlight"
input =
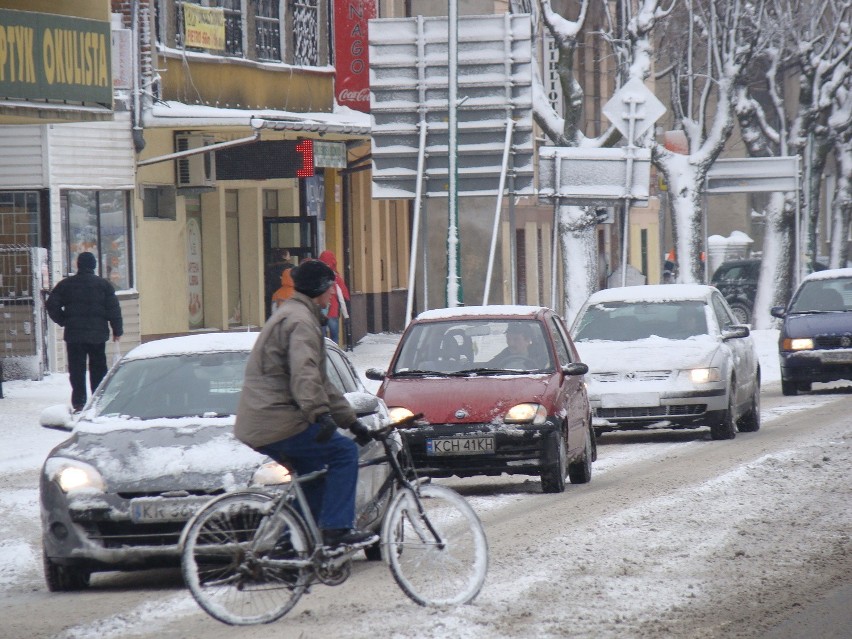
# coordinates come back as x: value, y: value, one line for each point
x: 526, y: 414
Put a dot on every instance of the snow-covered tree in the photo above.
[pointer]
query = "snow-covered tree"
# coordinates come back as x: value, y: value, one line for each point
x: 841, y: 209
x: 808, y: 44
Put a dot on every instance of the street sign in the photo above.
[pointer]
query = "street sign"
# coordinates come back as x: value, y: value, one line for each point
x: 409, y: 85
x: 582, y: 176
x: 743, y: 175
x: 633, y: 101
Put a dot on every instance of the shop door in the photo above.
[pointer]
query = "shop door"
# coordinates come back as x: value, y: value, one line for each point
x: 297, y: 235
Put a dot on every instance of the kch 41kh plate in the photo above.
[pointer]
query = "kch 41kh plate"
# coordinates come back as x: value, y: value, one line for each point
x: 461, y: 446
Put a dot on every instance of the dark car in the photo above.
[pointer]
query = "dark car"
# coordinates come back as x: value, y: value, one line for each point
x: 737, y: 282
x: 501, y: 390
x: 154, y: 444
x: 815, y: 342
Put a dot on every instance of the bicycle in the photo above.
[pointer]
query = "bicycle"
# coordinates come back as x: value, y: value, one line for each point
x: 248, y: 556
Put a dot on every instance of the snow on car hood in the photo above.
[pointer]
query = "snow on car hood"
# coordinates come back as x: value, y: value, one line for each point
x: 652, y: 353
x: 159, y: 455
x: 485, y: 399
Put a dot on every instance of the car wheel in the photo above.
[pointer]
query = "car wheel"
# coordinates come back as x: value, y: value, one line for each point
x: 750, y: 422
x: 553, y: 479
x: 726, y: 428
x: 741, y: 312
x: 64, y: 578
x: 789, y: 389
x: 580, y: 472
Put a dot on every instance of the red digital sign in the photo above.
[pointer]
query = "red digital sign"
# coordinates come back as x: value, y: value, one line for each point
x: 305, y: 148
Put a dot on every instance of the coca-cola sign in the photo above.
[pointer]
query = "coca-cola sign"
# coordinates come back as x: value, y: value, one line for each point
x: 351, y: 53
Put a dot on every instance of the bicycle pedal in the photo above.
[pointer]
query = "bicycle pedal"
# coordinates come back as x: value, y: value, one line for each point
x: 335, y: 551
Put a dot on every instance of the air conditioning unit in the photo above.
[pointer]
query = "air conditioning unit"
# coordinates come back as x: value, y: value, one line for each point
x: 197, y: 170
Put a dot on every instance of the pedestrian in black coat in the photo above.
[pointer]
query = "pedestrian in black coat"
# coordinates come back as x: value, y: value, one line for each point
x: 87, y: 307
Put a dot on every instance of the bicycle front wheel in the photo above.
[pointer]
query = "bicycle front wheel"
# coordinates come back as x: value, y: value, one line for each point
x: 435, y: 546
x: 228, y: 575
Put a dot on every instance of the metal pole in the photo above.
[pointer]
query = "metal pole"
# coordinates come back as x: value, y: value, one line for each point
x: 418, y: 202
x: 507, y: 145
x: 454, y: 293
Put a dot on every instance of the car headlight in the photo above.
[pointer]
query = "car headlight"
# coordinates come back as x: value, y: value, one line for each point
x: 398, y: 413
x: 526, y: 414
x: 72, y: 475
x: 269, y: 474
x: 797, y: 344
x: 703, y: 375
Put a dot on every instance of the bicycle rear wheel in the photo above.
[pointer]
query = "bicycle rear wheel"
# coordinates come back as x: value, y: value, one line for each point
x: 228, y: 575
x: 438, y: 556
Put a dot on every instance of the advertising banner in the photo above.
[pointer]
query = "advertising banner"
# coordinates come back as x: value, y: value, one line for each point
x: 351, y: 47
x: 204, y: 27
x: 51, y: 57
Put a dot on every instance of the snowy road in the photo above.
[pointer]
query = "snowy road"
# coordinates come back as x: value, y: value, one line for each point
x: 676, y: 536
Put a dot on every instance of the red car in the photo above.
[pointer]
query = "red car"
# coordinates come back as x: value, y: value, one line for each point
x: 501, y: 390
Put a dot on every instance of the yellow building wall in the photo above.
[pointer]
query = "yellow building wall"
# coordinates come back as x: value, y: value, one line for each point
x: 238, y: 84
x: 647, y: 219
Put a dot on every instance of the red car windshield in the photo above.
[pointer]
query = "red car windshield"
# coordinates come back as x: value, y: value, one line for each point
x: 484, y: 346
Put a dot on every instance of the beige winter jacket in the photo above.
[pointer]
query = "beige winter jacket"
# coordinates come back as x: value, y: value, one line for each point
x: 286, y: 386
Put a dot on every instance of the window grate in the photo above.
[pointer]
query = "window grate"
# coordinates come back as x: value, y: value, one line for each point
x: 305, y: 32
x: 267, y: 30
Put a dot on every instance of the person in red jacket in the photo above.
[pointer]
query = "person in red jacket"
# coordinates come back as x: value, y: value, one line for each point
x: 338, y: 306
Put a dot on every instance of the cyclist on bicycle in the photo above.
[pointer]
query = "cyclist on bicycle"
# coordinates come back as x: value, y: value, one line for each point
x: 290, y: 410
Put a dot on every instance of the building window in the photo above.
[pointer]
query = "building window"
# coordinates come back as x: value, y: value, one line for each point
x: 233, y: 25
x: 99, y: 222
x: 267, y: 30
x: 305, y: 32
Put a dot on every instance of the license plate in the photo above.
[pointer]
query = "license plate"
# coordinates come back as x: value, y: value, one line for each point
x: 630, y: 400
x: 151, y: 509
x: 460, y: 446
x: 842, y: 357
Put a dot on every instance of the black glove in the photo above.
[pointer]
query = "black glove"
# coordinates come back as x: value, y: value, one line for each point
x: 327, y: 428
x: 363, y: 435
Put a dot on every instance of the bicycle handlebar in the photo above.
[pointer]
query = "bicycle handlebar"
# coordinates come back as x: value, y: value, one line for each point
x: 382, y: 433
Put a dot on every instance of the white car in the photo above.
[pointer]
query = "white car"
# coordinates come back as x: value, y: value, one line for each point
x: 668, y: 356
x: 155, y: 443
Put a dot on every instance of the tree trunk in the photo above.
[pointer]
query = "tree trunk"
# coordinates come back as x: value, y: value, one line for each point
x: 579, y: 257
x: 775, y: 281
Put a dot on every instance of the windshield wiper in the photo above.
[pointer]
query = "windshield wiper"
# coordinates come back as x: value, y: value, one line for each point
x: 815, y: 312
x: 418, y: 373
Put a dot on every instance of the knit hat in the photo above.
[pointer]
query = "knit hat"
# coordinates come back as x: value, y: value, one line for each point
x: 312, y: 278
x: 86, y: 260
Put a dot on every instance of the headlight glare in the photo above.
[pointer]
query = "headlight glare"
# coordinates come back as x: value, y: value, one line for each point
x: 703, y: 375
x: 269, y: 474
x: 398, y: 413
x: 78, y: 476
x: 797, y: 344
x: 526, y: 414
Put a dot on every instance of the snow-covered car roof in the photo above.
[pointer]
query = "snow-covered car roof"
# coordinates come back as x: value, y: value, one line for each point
x: 186, y: 344
x: 829, y: 274
x: 512, y: 310
x: 652, y: 293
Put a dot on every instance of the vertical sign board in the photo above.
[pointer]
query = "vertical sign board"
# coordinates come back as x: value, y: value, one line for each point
x: 409, y: 74
x: 352, y: 61
x: 51, y: 57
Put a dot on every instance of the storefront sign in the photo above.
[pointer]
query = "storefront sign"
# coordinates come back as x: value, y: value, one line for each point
x: 45, y: 56
x: 203, y: 27
x: 352, y: 84
x: 331, y: 155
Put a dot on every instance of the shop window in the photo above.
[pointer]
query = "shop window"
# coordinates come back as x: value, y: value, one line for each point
x: 19, y: 218
x: 99, y: 222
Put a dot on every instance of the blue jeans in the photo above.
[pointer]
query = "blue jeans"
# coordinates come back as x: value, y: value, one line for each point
x: 332, y: 497
x: 333, y: 326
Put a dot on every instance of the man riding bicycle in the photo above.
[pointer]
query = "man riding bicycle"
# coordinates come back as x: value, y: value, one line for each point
x: 290, y: 410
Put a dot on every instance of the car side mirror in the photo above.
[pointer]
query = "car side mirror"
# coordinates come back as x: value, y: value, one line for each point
x: 735, y: 332
x: 57, y: 417
x: 778, y: 311
x: 363, y: 403
x: 575, y: 368
x: 375, y: 374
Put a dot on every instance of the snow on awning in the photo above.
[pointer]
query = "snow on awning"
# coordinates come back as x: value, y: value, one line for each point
x: 342, y: 121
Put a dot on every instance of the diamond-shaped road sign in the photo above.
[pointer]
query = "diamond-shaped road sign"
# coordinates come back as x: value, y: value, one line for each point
x: 620, y: 111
